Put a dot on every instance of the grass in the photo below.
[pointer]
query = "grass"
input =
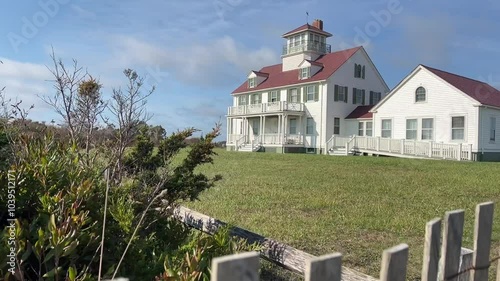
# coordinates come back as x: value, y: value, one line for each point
x: 358, y: 206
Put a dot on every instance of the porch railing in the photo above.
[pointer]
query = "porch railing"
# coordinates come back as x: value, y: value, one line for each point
x: 239, y: 142
x: 272, y: 139
x: 278, y: 106
x: 426, y: 149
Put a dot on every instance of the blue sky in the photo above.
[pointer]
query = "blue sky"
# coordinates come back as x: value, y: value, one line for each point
x: 197, y: 52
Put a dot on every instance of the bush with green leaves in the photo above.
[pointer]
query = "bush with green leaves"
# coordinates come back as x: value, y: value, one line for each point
x: 60, y: 208
x: 192, y: 261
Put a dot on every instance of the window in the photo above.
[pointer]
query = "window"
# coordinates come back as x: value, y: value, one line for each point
x: 251, y: 83
x: 336, y: 126
x: 458, y: 128
x: 305, y: 72
x: 310, y: 126
x: 358, y: 96
x: 375, y: 97
x: 369, y: 129
x: 293, y: 95
x: 293, y: 126
x: 359, y: 71
x: 493, y: 126
x: 427, y: 128
x: 361, y: 126
x: 420, y: 94
x: 411, y: 129
x: 340, y: 93
x: 386, y: 128
x: 242, y: 100
x: 273, y: 96
x: 311, y: 93
x: 256, y: 99
x: 297, y: 40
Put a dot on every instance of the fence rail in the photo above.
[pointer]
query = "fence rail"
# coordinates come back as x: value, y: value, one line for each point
x: 441, y: 259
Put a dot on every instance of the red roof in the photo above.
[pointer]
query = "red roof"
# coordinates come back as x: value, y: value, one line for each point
x: 361, y: 112
x: 278, y: 78
x: 315, y: 63
x: 307, y: 27
x: 480, y: 91
x: 258, y: 73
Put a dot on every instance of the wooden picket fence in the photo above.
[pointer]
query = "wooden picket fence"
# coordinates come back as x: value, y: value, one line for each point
x: 441, y: 261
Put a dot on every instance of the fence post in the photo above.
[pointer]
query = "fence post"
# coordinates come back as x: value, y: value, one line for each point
x: 482, y: 241
x: 465, y: 264
x: 452, y: 245
x: 394, y: 262
x: 402, y: 146
x: 243, y: 266
x: 415, y: 147
x: 430, y: 149
x: 459, y: 156
x: 324, y: 268
x: 378, y: 143
x: 431, y: 250
x: 441, y: 151
x: 470, y: 152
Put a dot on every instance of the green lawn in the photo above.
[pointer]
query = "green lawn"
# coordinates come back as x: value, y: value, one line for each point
x: 354, y: 205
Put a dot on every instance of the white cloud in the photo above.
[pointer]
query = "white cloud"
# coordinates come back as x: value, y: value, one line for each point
x: 24, y: 82
x: 83, y: 13
x: 210, y: 63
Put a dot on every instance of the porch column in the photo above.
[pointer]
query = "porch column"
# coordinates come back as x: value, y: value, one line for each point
x: 229, y: 130
x: 279, y: 126
x: 264, y: 126
x: 285, y: 124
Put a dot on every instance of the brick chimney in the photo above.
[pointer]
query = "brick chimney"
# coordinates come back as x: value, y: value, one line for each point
x: 318, y: 24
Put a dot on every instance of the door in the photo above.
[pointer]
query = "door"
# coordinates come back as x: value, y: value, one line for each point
x: 256, y: 128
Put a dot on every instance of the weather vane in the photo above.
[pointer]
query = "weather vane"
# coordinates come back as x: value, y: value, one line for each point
x: 307, y: 17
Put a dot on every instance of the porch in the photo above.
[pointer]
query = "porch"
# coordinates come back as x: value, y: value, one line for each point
x: 400, y: 148
x: 269, y: 130
x: 261, y: 108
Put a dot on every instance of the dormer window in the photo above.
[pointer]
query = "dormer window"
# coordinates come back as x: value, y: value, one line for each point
x: 305, y: 72
x: 251, y: 83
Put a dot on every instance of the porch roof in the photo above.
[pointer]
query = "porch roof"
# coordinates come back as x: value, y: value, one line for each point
x: 361, y: 112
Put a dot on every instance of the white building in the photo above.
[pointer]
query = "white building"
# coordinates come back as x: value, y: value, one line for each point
x: 298, y: 105
x: 435, y: 106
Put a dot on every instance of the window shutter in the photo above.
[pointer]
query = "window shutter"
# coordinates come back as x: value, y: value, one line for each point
x: 288, y: 96
x: 269, y: 96
x: 354, y: 90
x: 371, y: 97
x: 363, y: 98
x: 336, y: 93
x: 355, y: 70
x: 316, y: 93
x: 346, y: 94
x: 304, y: 94
x: 363, y: 72
x: 278, y: 95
